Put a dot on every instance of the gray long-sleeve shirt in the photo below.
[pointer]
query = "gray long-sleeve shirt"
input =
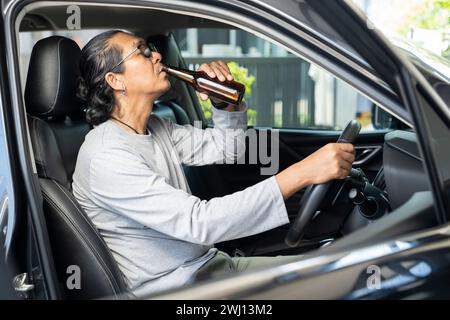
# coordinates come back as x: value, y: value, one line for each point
x: 134, y: 190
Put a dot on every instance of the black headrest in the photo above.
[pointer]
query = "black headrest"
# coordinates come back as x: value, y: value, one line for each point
x: 168, y: 47
x: 52, y: 77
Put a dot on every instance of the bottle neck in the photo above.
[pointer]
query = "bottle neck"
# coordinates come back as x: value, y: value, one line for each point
x: 182, y: 74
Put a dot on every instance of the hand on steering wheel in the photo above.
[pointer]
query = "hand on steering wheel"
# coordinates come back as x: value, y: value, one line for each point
x: 315, y: 194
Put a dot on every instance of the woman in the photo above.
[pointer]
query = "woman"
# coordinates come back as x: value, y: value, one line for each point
x: 130, y: 181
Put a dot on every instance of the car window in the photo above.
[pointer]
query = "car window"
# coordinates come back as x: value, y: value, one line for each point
x: 282, y: 90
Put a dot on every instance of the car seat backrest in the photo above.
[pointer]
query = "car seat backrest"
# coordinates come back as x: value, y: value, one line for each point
x: 57, y: 129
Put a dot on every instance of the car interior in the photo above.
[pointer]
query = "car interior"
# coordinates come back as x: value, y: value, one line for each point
x: 385, y: 195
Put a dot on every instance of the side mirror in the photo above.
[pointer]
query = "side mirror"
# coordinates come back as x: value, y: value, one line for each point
x: 381, y: 119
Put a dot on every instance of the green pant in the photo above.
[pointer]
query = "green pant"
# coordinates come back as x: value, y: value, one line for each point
x: 222, y: 264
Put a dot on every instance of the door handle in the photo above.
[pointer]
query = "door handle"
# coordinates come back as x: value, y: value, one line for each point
x: 366, y: 155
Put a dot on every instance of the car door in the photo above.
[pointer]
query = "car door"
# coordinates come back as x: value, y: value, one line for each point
x: 11, y: 224
x: 23, y: 242
x: 6, y: 214
x: 294, y: 108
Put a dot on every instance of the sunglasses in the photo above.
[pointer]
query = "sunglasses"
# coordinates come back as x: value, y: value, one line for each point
x: 145, y: 49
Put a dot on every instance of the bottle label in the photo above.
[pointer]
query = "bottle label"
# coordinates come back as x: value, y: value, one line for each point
x: 211, y: 86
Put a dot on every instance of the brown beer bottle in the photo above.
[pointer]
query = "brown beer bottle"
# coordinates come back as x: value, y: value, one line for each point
x: 231, y: 92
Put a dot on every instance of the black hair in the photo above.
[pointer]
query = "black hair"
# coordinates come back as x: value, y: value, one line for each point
x: 97, y: 58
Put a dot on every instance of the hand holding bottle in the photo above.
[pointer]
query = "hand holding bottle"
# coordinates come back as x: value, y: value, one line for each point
x: 216, y: 69
x: 211, y: 80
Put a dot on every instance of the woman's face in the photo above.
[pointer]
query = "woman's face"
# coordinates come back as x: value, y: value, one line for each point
x: 142, y: 75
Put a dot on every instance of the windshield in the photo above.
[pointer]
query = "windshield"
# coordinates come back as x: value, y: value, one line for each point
x: 424, y: 56
x: 420, y: 27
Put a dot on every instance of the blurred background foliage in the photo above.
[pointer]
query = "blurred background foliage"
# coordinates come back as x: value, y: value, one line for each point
x: 433, y: 14
x: 425, y: 22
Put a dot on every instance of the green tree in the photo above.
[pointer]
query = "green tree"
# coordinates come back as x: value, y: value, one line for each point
x: 240, y: 74
x: 433, y: 14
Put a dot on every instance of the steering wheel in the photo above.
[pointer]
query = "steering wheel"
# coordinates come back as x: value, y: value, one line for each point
x: 315, y: 194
